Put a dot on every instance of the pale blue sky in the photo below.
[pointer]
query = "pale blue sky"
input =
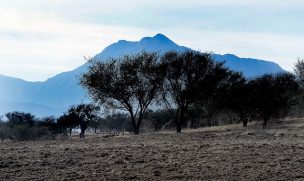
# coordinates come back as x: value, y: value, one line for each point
x: 40, y: 38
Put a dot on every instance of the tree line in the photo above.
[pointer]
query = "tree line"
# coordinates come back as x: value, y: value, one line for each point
x: 25, y: 126
x: 178, y: 82
x: 170, y: 91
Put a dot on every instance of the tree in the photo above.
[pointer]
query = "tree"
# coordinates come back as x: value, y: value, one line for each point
x: 20, y: 118
x: 67, y: 121
x: 272, y: 96
x: 161, y: 119
x: 217, y: 91
x: 4, y: 130
x: 239, y: 102
x: 116, y: 122
x: 129, y: 83
x: 192, y: 77
x: 79, y: 115
x: 234, y: 96
x: 94, y: 124
x: 299, y: 71
x: 85, y: 113
x: 50, y: 124
x: 24, y: 126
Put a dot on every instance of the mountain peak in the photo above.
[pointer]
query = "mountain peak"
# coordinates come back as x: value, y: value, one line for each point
x: 160, y: 36
x: 158, y: 43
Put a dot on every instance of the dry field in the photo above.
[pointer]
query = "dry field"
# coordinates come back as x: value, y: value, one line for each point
x: 219, y: 153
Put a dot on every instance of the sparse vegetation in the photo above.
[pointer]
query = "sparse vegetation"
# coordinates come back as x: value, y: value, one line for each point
x: 24, y: 126
x: 152, y: 93
x: 186, y: 89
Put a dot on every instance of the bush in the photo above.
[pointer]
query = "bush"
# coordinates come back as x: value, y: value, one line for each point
x: 24, y: 132
x: 161, y: 119
x: 4, y: 132
x: 117, y: 123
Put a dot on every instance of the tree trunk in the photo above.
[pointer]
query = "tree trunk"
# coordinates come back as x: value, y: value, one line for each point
x: 82, y: 131
x: 178, y: 127
x: 265, y: 123
x: 81, y: 135
x: 136, y: 130
x: 265, y: 120
x: 180, y: 121
x: 245, y: 123
x: 134, y: 125
x: 70, y: 131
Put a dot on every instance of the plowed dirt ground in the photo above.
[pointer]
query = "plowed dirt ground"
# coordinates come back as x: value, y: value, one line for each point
x: 218, y: 153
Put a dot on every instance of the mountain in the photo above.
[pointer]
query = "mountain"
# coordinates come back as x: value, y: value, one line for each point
x: 159, y: 43
x: 248, y: 66
x: 55, y: 95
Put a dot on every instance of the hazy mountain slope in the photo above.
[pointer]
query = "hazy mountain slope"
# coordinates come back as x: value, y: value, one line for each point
x: 11, y: 88
x: 56, y: 94
x: 250, y: 67
x: 36, y: 109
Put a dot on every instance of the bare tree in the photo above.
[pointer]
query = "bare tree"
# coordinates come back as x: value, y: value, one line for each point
x: 299, y: 71
x: 129, y: 83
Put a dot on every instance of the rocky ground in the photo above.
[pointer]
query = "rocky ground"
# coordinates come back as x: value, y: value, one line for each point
x: 218, y: 153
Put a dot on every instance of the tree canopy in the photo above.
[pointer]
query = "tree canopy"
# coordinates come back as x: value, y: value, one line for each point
x: 272, y: 96
x: 129, y: 83
x: 194, y: 77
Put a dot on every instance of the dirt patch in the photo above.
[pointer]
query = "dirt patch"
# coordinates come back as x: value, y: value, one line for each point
x: 224, y: 154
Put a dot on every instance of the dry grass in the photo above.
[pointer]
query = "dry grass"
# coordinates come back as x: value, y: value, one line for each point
x: 218, y: 153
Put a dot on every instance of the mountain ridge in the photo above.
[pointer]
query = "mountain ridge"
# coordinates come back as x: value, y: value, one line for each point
x: 59, y: 92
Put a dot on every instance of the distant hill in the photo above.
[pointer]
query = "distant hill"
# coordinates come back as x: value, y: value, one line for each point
x: 248, y: 66
x: 56, y: 94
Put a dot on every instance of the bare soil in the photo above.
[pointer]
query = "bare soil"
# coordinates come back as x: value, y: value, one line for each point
x: 219, y: 153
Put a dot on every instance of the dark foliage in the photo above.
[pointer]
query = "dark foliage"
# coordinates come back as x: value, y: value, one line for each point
x: 50, y: 124
x: 117, y: 123
x: 272, y: 96
x: 128, y: 83
x: 79, y: 115
x: 24, y: 126
x: 161, y: 119
x: 67, y: 121
x: 20, y: 118
x: 299, y: 71
x: 194, y: 78
x: 4, y: 131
